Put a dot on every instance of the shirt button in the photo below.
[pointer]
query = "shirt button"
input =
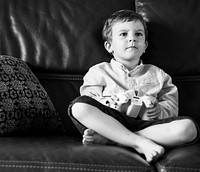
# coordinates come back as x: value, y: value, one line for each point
x: 129, y: 75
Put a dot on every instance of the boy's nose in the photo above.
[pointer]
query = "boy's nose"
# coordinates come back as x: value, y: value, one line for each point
x: 132, y: 39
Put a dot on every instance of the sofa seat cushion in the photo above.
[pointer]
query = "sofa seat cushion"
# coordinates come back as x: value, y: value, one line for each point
x: 181, y: 159
x: 61, y: 153
x: 25, y: 106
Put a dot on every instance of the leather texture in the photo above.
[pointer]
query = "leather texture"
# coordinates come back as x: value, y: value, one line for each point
x: 58, y: 153
x: 182, y: 159
x: 173, y: 35
x: 62, y: 36
x: 60, y: 40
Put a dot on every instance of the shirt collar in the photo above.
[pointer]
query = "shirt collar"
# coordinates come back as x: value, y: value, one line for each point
x: 121, y: 66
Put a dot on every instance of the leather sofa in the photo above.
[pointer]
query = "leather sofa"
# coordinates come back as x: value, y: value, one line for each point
x: 59, y: 40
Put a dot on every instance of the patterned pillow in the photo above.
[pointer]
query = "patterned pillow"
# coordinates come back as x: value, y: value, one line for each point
x: 24, y: 104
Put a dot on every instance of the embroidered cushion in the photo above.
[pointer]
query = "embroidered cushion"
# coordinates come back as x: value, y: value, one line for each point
x: 24, y: 104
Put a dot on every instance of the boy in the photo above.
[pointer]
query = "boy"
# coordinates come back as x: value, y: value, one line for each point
x: 105, y: 110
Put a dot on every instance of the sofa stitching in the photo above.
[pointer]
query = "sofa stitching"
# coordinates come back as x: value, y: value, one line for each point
x: 175, y: 169
x: 181, y: 168
x: 69, y: 168
x: 56, y: 168
x: 60, y: 76
x: 60, y: 163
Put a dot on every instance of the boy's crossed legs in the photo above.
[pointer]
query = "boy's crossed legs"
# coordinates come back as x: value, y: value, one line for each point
x: 149, y: 141
x: 92, y: 137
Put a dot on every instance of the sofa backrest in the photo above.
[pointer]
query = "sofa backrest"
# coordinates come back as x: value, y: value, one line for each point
x: 59, y: 40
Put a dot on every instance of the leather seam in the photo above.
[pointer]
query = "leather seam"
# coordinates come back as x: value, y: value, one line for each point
x: 59, y: 163
x: 177, y: 168
x: 60, y: 77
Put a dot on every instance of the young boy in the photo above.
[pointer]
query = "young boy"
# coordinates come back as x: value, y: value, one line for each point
x: 108, y: 107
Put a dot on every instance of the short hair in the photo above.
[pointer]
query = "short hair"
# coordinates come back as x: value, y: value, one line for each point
x: 123, y: 16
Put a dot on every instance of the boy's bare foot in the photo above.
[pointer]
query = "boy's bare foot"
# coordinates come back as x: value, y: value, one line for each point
x: 150, y: 149
x: 92, y: 137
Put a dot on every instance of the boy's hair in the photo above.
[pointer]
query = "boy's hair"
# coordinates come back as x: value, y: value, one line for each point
x: 121, y: 16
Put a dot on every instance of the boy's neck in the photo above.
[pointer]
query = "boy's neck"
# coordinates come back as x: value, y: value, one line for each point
x: 130, y: 65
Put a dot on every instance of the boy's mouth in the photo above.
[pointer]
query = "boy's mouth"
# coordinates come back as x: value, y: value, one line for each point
x: 132, y: 47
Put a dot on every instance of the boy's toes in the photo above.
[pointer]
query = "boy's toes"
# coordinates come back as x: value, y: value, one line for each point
x: 88, y: 132
x: 154, y: 156
x: 88, y: 137
x: 91, y: 137
x: 86, y: 141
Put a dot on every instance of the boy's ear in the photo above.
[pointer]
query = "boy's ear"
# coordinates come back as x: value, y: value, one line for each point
x: 108, y: 46
x: 146, y: 45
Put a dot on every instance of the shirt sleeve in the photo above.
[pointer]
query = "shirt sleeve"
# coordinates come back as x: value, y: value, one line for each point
x: 168, y: 98
x: 94, y: 84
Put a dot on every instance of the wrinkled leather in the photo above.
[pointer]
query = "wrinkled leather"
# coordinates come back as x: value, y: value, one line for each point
x: 61, y: 36
x: 59, y: 40
x: 173, y: 35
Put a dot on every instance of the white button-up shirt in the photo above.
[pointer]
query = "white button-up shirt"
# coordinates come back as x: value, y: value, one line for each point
x: 106, y: 79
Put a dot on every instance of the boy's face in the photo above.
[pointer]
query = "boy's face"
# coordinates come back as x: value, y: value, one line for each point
x: 128, y: 41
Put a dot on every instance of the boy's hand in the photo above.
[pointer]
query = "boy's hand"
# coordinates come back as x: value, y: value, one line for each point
x: 154, y: 112
x: 151, y: 113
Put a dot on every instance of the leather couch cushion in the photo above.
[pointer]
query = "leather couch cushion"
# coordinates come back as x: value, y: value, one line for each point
x: 182, y: 159
x: 57, y: 153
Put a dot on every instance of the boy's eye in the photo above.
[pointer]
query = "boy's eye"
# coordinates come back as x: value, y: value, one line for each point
x: 139, y: 34
x: 123, y: 34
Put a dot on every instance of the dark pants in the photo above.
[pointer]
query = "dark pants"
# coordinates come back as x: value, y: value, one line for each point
x: 133, y: 124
